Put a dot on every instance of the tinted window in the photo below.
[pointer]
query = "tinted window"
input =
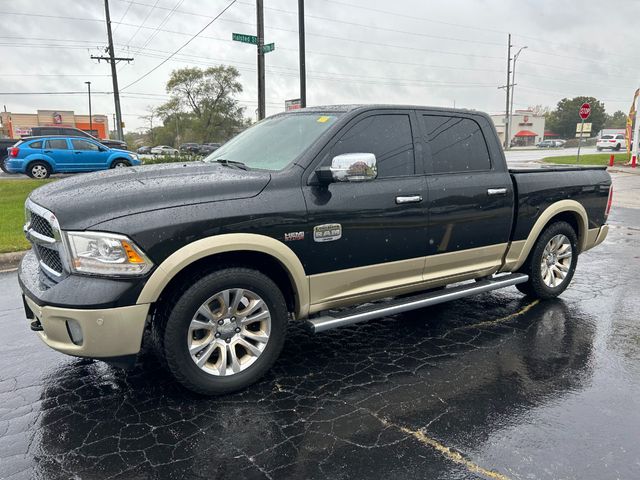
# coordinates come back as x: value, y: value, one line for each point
x: 607, y: 137
x: 48, y: 131
x: 59, y: 144
x: 72, y: 132
x: 84, y: 145
x: 388, y: 137
x: 456, y: 144
x: 35, y: 145
x: 620, y: 137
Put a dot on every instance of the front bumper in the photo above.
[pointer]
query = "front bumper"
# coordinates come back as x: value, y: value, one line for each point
x: 104, y: 310
x: 106, y: 333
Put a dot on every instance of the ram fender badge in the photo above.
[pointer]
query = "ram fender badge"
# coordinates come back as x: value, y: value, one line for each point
x: 292, y: 236
x: 328, y: 232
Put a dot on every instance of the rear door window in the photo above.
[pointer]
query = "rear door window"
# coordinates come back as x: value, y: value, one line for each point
x: 388, y: 137
x: 57, y: 144
x: 456, y: 144
x: 79, y: 144
x: 619, y: 137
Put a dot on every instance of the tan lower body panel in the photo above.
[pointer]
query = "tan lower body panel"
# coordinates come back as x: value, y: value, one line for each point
x: 595, y: 236
x: 373, y: 282
x: 108, y: 332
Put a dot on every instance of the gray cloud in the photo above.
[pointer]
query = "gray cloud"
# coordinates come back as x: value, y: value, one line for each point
x: 426, y: 52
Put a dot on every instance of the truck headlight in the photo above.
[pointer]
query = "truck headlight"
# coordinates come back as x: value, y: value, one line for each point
x: 103, y: 253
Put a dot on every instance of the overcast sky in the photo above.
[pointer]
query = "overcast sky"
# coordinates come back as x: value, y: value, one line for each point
x: 419, y: 52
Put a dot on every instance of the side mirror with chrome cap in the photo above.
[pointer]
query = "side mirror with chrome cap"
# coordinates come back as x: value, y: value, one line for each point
x: 350, y: 167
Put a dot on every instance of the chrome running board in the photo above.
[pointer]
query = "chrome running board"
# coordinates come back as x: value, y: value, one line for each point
x: 399, y: 305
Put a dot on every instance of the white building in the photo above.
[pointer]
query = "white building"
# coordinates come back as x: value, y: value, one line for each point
x: 526, y: 128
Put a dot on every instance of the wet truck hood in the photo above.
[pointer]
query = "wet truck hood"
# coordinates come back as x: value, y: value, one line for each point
x: 88, y: 199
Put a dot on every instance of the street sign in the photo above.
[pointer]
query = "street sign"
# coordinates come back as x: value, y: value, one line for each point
x: 292, y: 104
x: 269, y: 47
x: 585, y: 111
x: 244, y: 38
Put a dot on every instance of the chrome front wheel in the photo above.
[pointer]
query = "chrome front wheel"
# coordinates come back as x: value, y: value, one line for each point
x: 229, y: 332
x: 556, y: 260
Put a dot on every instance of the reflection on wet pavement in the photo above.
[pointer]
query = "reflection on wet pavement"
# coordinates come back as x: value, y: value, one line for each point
x: 495, y: 386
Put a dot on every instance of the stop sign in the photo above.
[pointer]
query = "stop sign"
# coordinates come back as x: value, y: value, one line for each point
x: 585, y: 111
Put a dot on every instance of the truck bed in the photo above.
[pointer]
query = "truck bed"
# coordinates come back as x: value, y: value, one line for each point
x: 556, y: 168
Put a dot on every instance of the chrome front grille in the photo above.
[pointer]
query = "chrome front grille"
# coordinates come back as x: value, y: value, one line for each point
x: 41, y: 225
x: 43, y: 231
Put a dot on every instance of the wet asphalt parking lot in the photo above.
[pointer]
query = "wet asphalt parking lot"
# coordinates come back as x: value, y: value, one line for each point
x: 494, y: 386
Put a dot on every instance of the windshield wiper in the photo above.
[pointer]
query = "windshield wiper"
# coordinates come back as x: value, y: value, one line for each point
x: 232, y: 163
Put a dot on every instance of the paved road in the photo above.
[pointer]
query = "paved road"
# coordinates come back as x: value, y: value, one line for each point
x: 495, y: 386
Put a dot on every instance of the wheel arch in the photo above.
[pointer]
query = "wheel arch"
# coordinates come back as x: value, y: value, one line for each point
x: 28, y: 161
x: 238, y: 249
x: 569, y: 211
x: 115, y: 158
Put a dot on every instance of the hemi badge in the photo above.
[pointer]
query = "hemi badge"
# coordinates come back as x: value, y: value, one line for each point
x: 293, y: 236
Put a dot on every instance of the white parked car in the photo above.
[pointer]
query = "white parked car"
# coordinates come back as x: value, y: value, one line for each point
x: 164, y: 150
x: 614, y: 142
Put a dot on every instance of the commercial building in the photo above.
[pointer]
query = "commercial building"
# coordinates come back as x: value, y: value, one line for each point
x: 526, y: 128
x: 16, y: 125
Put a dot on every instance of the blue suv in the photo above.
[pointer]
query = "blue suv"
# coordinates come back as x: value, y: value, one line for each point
x: 42, y: 156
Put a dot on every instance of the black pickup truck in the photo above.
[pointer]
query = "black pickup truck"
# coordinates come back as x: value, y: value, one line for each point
x: 327, y: 215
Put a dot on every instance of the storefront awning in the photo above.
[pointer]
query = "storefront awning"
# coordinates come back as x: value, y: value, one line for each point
x: 526, y: 133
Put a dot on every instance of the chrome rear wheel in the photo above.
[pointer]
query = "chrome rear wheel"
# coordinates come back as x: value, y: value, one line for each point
x: 556, y: 260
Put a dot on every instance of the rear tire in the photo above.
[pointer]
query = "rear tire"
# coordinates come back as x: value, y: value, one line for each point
x: 618, y: 146
x: 39, y: 170
x: 551, y: 262
x: 2, y: 165
x: 224, y: 332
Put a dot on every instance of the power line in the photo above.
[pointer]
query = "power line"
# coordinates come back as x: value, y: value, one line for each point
x: 122, y: 16
x: 28, y: 14
x: 181, y: 47
x: 143, y: 22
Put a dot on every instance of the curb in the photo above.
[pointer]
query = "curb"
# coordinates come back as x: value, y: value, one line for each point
x: 629, y: 170
x: 10, y: 261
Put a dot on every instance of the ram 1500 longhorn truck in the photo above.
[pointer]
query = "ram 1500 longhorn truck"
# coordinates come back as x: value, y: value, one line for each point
x: 326, y: 215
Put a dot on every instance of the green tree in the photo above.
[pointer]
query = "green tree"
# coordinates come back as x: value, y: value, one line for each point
x: 617, y: 120
x: 564, y: 118
x: 202, y: 106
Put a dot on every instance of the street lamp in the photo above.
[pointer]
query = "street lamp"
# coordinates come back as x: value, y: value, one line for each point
x: 513, y: 87
x: 90, y: 116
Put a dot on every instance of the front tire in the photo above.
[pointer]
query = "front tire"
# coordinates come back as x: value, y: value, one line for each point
x: 39, y: 170
x: 120, y: 164
x: 224, y: 332
x: 551, y: 263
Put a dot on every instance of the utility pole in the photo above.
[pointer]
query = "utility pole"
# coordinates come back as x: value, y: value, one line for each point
x: 260, y: 21
x: 90, y: 116
x: 301, y: 48
x: 513, y: 82
x: 507, y: 129
x: 112, y: 59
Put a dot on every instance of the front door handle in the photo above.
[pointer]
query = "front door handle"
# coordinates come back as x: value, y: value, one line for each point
x: 497, y: 191
x: 409, y: 199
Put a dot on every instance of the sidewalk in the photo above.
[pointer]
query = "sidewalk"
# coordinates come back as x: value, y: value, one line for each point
x: 624, y: 169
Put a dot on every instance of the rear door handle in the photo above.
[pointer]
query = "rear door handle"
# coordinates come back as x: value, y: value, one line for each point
x: 409, y: 199
x: 47, y: 151
x: 497, y: 191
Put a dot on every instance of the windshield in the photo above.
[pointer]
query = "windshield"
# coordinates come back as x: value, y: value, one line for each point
x: 275, y: 142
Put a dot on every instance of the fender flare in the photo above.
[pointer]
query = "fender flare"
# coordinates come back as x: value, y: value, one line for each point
x: 519, y: 250
x: 39, y: 158
x: 224, y: 243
